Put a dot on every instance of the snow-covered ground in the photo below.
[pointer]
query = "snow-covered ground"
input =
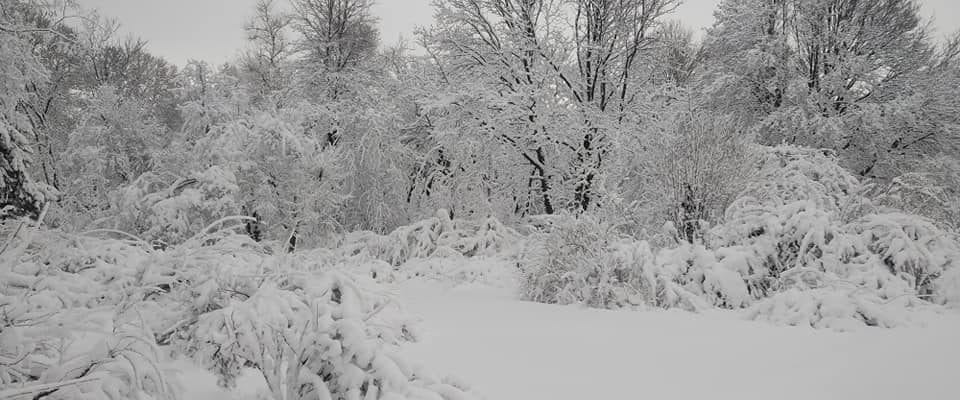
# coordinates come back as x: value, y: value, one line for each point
x: 512, y: 350
x: 506, y: 349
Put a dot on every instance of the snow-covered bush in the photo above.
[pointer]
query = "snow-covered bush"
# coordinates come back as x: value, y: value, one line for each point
x: 933, y: 191
x: 563, y: 264
x: 170, y: 211
x: 311, y: 336
x: 790, y: 173
x: 818, y: 248
x: 93, y: 318
x: 713, y: 276
x: 802, y: 245
x: 697, y: 167
x: 436, y: 236
x: 115, y: 141
x: 669, y: 278
x: 769, y: 240
x: 287, y: 173
x: 911, y: 248
x: 803, y: 266
x: 789, y: 221
x: 584, y: 260
x: 947, y: 289
x: 837, y: 308
x: 448, y: 269
x: 72, y: 327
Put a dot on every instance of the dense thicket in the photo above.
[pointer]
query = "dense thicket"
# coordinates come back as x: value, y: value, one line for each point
x: 504, y: 108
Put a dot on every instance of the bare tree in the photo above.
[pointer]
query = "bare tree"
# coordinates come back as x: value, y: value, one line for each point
x: 609, y: 36
x: 677, y: 56
x: 269, y: 52
x: 136, y: 74
x: 848, y: 49
x: 337, y: 34
x: 497, y: 45
x: 536, y: 60
x: 700, y: 164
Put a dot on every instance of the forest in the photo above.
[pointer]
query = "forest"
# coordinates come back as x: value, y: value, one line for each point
x: 797, y: 164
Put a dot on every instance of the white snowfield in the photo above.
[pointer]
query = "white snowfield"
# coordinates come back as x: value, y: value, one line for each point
x: 506, y: 349
x: 512, y: 350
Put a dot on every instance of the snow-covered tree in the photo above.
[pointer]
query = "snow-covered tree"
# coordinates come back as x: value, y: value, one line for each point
x: 268, y: 60
x: 693, y: 171
x: 21, y: 194
x: 114, y: 143
x: 544, y: 98
x: 337, y: 34
x: 844, y: 75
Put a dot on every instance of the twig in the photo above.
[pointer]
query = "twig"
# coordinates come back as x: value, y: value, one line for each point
x: 121, y: 233
x: 29, y: 235
x: 11, y: 393
x: 378, y: 310
x: 206, y: 231
x: 12, y: 236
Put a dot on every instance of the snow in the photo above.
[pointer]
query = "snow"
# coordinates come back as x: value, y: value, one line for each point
x: 508, y: 349
x: 202, y: 385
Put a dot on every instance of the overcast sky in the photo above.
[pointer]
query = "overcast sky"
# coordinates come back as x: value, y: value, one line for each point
x: 212, y: 30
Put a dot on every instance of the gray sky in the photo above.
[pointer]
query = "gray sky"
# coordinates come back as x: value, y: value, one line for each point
x: 212, y: 30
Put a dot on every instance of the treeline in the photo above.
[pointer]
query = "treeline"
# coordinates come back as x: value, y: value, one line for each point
x: 503, y: 108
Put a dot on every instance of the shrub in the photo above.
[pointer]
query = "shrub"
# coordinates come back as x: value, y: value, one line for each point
x: 438, y: 235
x: 790, y: 173
x: 170, y: 211
x: 910, y: 248
x: 563, y: 263
x: 311, y: 337
x: 92, y: 318
x: 839, y: 309
x: 932, y: 191
x: 72, y: 326
x: 695, y: 169
x: 802, y: 246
